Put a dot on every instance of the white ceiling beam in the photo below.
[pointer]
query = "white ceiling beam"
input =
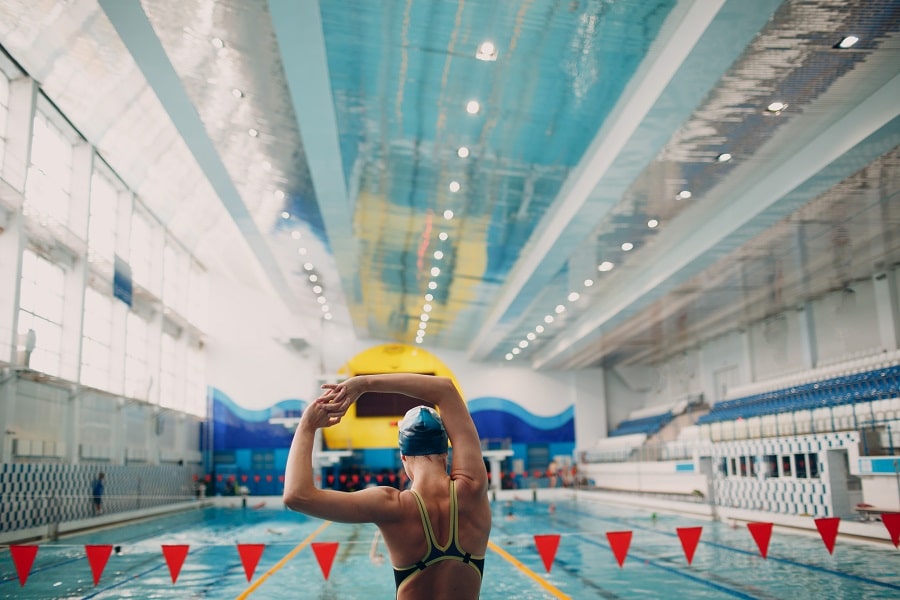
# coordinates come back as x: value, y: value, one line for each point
x: 553, y: 239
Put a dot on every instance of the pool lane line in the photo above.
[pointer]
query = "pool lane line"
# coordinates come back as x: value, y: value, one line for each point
x: 283, y: 561
x: 787, y: 561
x: 540, y: 580
x: 680, y: 572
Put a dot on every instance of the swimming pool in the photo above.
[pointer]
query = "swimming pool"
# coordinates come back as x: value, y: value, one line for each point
x: 726, y: 564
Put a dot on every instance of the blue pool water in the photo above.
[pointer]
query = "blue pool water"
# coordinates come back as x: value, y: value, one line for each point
x: 726, y: 564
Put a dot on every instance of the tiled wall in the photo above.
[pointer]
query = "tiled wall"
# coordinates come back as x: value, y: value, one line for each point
x: 787, y: 495
x: 38, y: 494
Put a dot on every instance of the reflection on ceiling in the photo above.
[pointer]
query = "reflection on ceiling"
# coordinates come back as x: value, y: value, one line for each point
x: 567, y: 183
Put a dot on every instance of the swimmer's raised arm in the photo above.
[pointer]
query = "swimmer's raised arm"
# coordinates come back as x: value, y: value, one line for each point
x: 468, y: 463
x: 371, y: 505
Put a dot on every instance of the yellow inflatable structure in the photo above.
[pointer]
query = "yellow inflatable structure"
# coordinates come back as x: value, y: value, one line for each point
x: 358, y: 432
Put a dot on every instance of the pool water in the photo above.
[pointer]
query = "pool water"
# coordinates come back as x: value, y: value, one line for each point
x: 726, y: 564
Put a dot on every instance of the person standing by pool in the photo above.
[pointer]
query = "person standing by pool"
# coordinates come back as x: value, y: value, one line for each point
x: 436, y: 532
x: 97, y: 493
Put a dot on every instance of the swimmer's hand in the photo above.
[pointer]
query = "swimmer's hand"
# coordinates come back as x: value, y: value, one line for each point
x: 321, y: 413
x: 341, y: 395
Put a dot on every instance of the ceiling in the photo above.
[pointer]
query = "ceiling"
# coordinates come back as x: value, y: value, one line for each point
x: 283, y: 139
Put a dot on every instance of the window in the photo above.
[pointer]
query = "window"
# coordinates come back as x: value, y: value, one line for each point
x: 175, y: 279
x: 786, y: 465
x: 171, y: 369
x: 4, y: 112
x: 813, y: 463
x: 141, y: 252
x: 103, y: 223
x: 50, y: 173
x: 96, y: 341
x: 734, y: 469
x: 195, y: 399
x: 137, y: 357
x: 743, y: 466
x: 800, y: 464
x: 41, y: 301
x: 770, y: 466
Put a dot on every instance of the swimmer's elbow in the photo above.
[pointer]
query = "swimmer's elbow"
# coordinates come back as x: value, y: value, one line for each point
x: 296, y: 500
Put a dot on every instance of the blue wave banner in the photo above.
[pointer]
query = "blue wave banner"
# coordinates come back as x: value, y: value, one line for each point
x: 501, y: 418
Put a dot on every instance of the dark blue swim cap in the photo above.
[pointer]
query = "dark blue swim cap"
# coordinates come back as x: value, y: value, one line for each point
x: 422, y: 432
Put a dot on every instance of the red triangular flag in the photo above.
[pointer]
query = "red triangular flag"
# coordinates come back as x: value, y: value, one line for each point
x: 175, y: 555
x: 828, y: 528
x: 546, y: 547
x: 97, y: 555
x: 250, y: 555
x: 325, y: 552
x: 762, y: 533
x: 689, y: 537
x: 619, y: 542
x: 892, y: 522
x: 23, y: 557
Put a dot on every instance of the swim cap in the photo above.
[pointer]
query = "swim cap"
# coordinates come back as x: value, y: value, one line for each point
x: 422, y: 432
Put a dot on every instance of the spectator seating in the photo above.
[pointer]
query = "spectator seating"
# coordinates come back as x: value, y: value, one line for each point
x: 838, y: 394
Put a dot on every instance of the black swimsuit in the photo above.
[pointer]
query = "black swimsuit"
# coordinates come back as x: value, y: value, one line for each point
x: 437, y: 553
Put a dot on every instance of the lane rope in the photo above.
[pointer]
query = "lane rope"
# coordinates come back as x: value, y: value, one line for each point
x: 283, y: 561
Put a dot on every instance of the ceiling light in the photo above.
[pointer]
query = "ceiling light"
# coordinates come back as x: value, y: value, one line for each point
x: 605, y: 266
x: 424, y: 317
x: 588, y: 282
x: 573, y: 296
x: 418, y: 340
x: 317, y: 289
x: 523, y: 344
x: 560, y: 309
x: 325, y: 308
x: 516, y: 351
x: 438, y: 255
x: 539, y: 329
x: 285, y: 214
x: 627, y: 246
x: 531, y: 335
x: 463, y: 152
x: 652, y: 223
x: 509, y: 356
x: 429, y: 297
x: 308, y: 266
x: 686, y: 194
x: 443, y: 236
x: 218, y: 43
x: 237, y: 93
x: 472, y: 107
x: 432, y: 285
x: 422, y: 324
x: 548, y: 319
x: 847, y: 42
x: 252, y: 132
x: 448, y: 214
x: 724, y: 157
x: 486, y: 51
x: 314, y: 278
x: 427, y: 308
x: 776, y: 107
x: 328, y: 316
x: 296, y: 235
x: 454, y: 186
x: 435, y: 271
x: 279, y: 194
x: 301, y: 251
x: 321, y: 300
